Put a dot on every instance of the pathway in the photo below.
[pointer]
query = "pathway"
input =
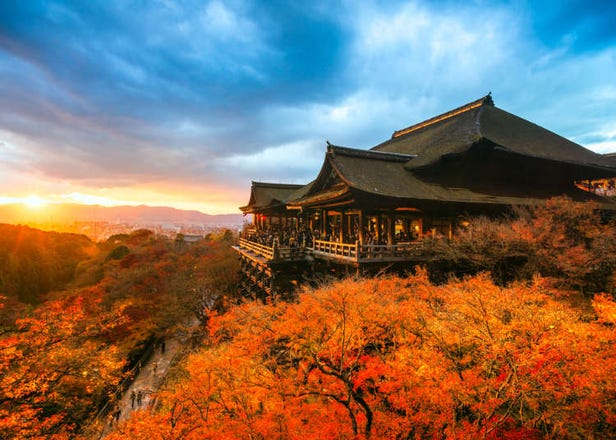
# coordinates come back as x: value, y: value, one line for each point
x: 148, y: 379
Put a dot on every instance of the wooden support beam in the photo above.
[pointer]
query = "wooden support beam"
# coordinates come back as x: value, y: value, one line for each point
x: 323, y: 223
x: 406, y: 227
x: 360, y: 225
x: 391, y: 228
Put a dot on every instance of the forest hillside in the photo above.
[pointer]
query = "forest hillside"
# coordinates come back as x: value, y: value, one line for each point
x: 398, y: 358
x: 522, y: 344
x: 34, y: 262
x: 66, y: 353
x: 523, y: 349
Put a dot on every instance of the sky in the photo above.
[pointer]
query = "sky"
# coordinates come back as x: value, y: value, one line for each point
x: 184, y: 103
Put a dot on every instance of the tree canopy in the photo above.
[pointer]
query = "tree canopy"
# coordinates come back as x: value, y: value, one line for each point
x: 398, y: 358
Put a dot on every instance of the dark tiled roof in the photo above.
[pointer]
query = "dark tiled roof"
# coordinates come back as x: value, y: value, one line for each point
x: 267, y: 195
x: 457, y: 131
x: 391, y: 170
x: 486, y: 100
x: 389, y: 178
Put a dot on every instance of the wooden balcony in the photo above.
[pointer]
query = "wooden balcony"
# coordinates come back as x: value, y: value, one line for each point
x: 368, y: 253
x: 342, y: 252
x: 265, y: 254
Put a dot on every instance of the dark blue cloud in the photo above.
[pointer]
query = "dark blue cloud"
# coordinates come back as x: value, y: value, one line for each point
x: 165, y: 62
x: 137, y: 90
x: 138, y: 51
x: 583, y: 25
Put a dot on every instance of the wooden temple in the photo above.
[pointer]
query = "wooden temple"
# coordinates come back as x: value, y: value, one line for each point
x: 370, y: 208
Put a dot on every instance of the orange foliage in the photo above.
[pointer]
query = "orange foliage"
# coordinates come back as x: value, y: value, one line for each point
x: 566, y: 241
x: 397, y: 358
x: 55, y: 366
x: 61, y: 361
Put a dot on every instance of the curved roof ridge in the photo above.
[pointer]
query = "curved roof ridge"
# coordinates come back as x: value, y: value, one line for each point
x: 369, y: 154
x: 485, y: 100
x: 277, y: 185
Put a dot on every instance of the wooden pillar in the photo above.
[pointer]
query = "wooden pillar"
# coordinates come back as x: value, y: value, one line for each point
x: 342, y: 226
x: 379, y: 225
x: 350, y: 226
x: 391, y: 228
x: 360, y: 224
x: 323, y: 224
x: 406, y: 226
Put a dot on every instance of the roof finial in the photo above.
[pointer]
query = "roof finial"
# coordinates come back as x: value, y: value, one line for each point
x: 487, y: 100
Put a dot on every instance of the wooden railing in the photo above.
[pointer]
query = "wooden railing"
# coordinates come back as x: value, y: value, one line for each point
x: 272, y: 252
x: 363, y: 253
x: 390, y: 252
x: 289, y: 253
x: 257, y: 248
x: 338, y: 249
x: 369, y: 252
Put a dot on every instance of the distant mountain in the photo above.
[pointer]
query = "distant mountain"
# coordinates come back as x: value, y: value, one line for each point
x: 64, y: 213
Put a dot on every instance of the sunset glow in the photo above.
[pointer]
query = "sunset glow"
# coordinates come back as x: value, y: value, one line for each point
x: 231, y: 92
x: 217, y: 202
x: 35, y: 202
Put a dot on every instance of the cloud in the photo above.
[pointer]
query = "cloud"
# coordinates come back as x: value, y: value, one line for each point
x: 215, y: 94
x: 287, y: 163
x: 418, y: 49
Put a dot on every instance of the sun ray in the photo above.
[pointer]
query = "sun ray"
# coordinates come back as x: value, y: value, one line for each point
x: 35, y: 202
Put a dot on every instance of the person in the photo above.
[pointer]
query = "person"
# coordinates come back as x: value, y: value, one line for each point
x: 139, y: 397
x: 116, y: 415
x: 133, y: 396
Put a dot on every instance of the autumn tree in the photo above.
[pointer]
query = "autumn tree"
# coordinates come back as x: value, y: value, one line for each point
x: 398, y: 358
x: 61, y: 360
x: 57, y: 365
x: 570, y: 243
x: 34, y: 262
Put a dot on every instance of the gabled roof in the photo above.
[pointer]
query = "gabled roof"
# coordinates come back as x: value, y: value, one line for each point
x: 493, y: 158
x: 383, y: 175
x: 458, y: 130
x: 264, y: 195
x: 339, y: 167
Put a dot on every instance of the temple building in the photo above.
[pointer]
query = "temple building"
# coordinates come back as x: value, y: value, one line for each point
x: 603, y: 187
x: 373, y: 207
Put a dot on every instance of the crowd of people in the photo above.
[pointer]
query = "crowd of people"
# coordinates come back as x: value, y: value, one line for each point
x: 284, y: 237
x: 304, y: 237
x: 605, y: 188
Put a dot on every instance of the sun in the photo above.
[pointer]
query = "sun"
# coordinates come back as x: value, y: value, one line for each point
x: 34, y: 202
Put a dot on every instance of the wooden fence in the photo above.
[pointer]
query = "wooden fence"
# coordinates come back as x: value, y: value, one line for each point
x: 273, y: 252
x: 363, y: 253
x: 369, y: 252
